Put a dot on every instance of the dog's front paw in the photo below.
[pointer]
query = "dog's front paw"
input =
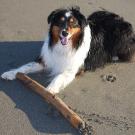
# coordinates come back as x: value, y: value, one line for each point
x: 10, y: 75
x: 52, y: 90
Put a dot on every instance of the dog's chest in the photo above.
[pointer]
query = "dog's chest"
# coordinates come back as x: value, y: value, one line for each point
x: 62, y: 58
x: 59, y: 59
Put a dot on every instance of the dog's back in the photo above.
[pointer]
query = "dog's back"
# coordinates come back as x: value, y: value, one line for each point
x: 112, y: 36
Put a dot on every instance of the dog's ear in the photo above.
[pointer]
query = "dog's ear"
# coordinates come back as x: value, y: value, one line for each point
x: 51, y: 16
x: 79, y: 15
x: 75, y: 8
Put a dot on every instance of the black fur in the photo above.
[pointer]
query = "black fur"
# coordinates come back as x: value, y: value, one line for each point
x: 38, y: 59
x: 54, y: 19
x: 111, y: 36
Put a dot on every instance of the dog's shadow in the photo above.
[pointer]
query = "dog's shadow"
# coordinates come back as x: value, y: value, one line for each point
x: 41, y: 116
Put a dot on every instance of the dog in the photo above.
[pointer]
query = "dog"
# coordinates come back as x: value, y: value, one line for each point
x: 76, y: 42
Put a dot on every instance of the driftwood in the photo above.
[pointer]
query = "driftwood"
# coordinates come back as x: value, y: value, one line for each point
x: 65, y: 110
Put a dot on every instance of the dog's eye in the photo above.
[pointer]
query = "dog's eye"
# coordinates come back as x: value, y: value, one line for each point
x: 71, y: 20
x: 62, y: 19
x: 73, y: 23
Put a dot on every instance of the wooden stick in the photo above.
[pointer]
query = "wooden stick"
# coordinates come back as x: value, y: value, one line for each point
x: 65, y: 110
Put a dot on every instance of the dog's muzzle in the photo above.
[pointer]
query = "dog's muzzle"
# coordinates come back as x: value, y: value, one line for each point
x: 64, y: 38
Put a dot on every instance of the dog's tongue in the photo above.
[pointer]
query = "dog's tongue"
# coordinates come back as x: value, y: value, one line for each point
x: 64, y: 41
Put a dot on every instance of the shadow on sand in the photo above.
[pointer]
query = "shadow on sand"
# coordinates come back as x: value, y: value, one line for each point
x: 41, y: 117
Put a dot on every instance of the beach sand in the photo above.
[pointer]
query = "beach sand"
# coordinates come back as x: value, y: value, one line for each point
x: 108, y: 106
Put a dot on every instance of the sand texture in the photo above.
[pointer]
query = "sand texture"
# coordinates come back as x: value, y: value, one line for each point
x: 108, y: 106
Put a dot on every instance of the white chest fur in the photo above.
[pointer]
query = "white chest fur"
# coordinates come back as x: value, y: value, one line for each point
x: 63, y: 58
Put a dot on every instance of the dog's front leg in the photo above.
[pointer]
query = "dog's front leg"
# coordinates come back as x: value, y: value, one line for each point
x: 60, y: 82
x: 28, y: 68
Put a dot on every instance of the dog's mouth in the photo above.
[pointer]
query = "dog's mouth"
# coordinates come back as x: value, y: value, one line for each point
x: 64, y: 40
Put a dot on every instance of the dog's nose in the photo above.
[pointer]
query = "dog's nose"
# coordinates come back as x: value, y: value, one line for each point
x: 64, y: 33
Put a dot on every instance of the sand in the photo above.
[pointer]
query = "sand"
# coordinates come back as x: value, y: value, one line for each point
x: 108, y: 106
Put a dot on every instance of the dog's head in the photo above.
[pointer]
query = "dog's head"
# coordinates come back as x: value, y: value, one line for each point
x: 66, y: 26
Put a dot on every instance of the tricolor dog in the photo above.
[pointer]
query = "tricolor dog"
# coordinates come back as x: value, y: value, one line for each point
x: 75, y: 41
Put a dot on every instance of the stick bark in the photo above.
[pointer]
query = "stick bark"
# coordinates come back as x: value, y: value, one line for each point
x: 64, y: 109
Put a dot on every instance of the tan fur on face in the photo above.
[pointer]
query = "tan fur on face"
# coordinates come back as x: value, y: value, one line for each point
x: 55, y: 34
x: 75, y: 32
